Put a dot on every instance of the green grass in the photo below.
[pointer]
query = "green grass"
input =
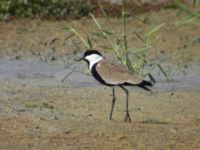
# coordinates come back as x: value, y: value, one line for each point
x: 118, y: 44
x: 192, y: 15
x: 113, y: 42
x: 39, y: 106
x: 67, y: 9
x: 59, y: 9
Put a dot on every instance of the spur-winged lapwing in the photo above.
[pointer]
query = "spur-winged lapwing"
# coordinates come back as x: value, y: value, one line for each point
x: 112, y: 74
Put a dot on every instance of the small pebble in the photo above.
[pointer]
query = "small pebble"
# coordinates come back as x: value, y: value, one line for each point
x: 67, y: 131
x: 52, y: 58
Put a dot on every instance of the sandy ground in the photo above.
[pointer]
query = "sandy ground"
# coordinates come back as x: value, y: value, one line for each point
x: 37, y: 111
x: 77, y: 118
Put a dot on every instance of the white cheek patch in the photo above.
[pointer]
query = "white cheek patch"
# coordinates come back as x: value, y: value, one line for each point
x: 89, y: 58
x: 93, y: 59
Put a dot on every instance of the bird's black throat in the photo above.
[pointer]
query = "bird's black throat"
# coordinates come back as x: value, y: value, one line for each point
x: 97, y: 76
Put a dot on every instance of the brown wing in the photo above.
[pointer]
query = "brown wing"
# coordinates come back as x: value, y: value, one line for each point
x: 113, y: 73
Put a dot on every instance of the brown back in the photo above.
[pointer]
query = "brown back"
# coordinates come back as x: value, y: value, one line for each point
x: 113, y: 73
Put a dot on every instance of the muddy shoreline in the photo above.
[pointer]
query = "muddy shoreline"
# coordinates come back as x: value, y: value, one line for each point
x: 38, y: 111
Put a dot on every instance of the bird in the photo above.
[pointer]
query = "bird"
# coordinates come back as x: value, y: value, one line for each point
x: 112, y: 74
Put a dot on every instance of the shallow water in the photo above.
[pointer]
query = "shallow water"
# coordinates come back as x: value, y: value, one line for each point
x: 51, y: 74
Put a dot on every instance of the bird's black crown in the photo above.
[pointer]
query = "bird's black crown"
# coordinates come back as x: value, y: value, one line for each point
x: 89, y: 52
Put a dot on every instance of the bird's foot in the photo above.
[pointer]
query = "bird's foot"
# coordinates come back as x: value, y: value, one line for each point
x: 127, y: 118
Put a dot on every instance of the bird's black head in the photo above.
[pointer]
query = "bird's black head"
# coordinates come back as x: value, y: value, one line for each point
x: 90, y: 52
x: 91, y: 57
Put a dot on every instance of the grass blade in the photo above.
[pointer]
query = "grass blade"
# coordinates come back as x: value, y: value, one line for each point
x: 154, y: 29
x: 139, y: 37
x: 137, y: 50
x: 152, y: 79
x: 186, y: 9
x: 189, y: 19
x: 101, y: 35
x: 95, y: 21
x: 80, y: 37
x: 163, y: 72
x: 89, y: 42
x: 106, y: 47
x: 194, y: 3
x: 107, y: 32
x: 69, y: 36
x: 102, y: 10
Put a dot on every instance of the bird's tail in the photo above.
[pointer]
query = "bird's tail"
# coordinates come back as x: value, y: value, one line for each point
x: 144, y: 84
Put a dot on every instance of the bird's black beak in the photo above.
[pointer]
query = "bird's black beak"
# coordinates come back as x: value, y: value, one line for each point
x: 82, y: 58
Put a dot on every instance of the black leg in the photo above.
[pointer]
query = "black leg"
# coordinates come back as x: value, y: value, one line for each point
x: 127, y: 117
x: 113, y: 102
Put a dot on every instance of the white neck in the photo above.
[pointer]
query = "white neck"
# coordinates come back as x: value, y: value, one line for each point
x: 93, y: 59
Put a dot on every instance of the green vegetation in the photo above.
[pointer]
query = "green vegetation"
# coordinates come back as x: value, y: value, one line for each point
x: 65, y: 9
x: 39, y: 106
x: 59, y: 9
x: 186, y: 8
x: 115, y: 42
x: 118, y: 43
